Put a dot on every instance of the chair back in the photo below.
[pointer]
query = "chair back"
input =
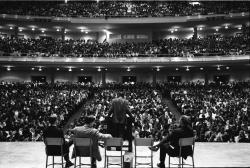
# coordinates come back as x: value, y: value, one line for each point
x: 186, y: 141
x: 144, y: 142
x: 82, y: 147
x: 54, y: 146
x: 113, y: 142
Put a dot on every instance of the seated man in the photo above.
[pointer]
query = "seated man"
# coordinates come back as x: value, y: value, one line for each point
x: 87, y: 131
x: 170, y: 144
x: 53, y: 132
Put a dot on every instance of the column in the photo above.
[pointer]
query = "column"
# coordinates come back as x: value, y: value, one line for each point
x: 154, y: 78
x: 63, y: 33
x: 103, y: 77
x: 195, y: 35
x: 15, y: 32
x: 52, y: 76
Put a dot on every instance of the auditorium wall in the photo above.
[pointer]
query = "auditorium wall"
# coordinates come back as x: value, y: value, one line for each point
x: 143, y: 76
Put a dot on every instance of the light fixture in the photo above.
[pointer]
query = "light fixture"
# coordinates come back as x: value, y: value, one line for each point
x: 216, y: 29
x: 200, y: 28
x: 226, y: 27
x: 218, y: 68
x: 8, y: 68
x: 57, y: 30
x: 57, y: 69
x: 177, y: 69
x: 11, y: 28
x: 128, y: 69
x: 99, y: 69
x: 20, y: 30
x: 81, y: 69
x: 106, y: 69
x: 70, y: 69
x: 227, y: 67
x: 40, y: 69
x: 187, y: 69
x: 65, y: 32
x: 172, y: 31
x: 158, y: 69
x: 86, y: 32
x: 82, y: 30
x: 33, y: 29
x: 239, y: 28
x: 201, y: 68
x: 42, y: 31
x: 32, y: 69
x: 175, y: 29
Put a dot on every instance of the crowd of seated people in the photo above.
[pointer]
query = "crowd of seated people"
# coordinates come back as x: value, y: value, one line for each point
x: 220, y: 112
x: 121, y: 8
x: 25, y: 107
x: 210, y: 45
x: 150, y: 115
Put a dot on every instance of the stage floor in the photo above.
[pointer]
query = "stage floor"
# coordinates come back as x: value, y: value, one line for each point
x: 32, y: 155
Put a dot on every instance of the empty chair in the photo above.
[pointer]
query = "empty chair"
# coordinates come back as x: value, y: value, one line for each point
x: 82, y: 148
x: 143, y: 142
x: 184, y: 143
x: 54, y: 147
x: 113, y: 144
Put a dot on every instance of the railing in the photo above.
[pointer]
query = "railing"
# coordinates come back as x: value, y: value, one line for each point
x: 126, y: 60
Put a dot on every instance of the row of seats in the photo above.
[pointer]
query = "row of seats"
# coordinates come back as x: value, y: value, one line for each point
x: 82, y: 148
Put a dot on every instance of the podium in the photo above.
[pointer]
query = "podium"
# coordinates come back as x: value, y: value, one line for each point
x: 128, y: 160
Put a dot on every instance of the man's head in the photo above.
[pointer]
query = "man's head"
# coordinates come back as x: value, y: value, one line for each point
x: 185, y: 121
x: 89, y: 120
x: 53, y: 119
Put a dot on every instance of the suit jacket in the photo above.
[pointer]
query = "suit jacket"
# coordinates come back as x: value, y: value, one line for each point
x: 173, y: 140
x: 119, y: 109
x: 95, y: 135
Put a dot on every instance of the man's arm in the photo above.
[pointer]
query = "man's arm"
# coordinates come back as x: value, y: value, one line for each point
x: 102, y: 136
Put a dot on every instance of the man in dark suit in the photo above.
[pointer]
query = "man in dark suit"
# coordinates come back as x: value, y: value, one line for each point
x: 170, y: 144
x: 87, y: 131
x: 53, y: 132
x: 120, y: 128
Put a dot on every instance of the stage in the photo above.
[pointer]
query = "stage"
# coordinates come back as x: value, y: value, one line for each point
x: 32, y: 155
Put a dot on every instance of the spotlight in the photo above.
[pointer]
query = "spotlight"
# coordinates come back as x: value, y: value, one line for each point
x: 57, y: 69
x: 32, y: 69
x: 70, y: 69
x: 158, y: 69
x: 57, y: 30
x: 187, y: 69
x: 11, y: 28
x: 218, y: 68
x: 226, y: 27
x: 177, y: 69
x: 128, y: 69
x: 201, y: 68
x: 33, y: 29
x: 227, y: 67
x: 40, y: 69
x: 81, y: 69
x: 99, y: 69
x: 42, y: 31
x: 8, y: 69
x: 239, y: 28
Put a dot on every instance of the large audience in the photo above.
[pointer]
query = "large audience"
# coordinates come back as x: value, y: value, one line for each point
x: 47, y: 47
x: 121, y: 8
x: 220, y: 112
x: 25, y: 107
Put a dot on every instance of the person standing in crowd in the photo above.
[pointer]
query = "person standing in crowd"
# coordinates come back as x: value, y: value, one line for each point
x: 170, y: 144
x: 87, y: 131
x: 121, y: 125
x: 53, y: 132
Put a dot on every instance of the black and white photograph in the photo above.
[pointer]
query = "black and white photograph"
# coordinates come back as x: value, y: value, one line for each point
x: 124, y: 83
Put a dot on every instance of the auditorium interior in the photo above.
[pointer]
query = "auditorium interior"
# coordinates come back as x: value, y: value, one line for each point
x: 169, y: 58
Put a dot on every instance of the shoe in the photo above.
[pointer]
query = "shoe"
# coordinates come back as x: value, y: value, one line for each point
x: 68, y: 164
x: 153, y: 148
x: 161, y: 165
x: 93, y: 165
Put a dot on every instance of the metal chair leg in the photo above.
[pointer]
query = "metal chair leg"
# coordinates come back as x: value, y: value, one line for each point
x: 168, y: 161
x: 193, y: 160
x: 53, y: 162
x: 182, y: 162
x: 62, y: 161
x: 75, y: 162
x: 80, y: 162
x: 46, y: 161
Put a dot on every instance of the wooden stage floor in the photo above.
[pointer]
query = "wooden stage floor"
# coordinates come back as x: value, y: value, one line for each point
x: 32, y: 155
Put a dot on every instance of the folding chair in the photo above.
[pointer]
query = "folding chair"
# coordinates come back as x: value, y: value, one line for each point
x: 82, y: 148
x: 54, y: 147
x: 144, y: 142
x: 182, y: 143
x: 112, y: 144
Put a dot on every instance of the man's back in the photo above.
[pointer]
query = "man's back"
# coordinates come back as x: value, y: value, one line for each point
x: 53, y: 132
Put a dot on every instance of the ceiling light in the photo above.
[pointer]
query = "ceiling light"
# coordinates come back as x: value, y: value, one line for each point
x: 175, y: 29
x: 32, y: 69
x: 106, y: 69
x: 187, y: 69
x: 172, y: 31
x: 11, y: 28
x: 200, y: 28
x: 227, y: 67
x: 86, y: 32
x: 33, y: 29
x: 20, y: 30
x: 81, y: 69
x: 57, y: 69
x: 128, y: 69
x: 239, y: 28
x: 8, y: 69
x: 82, y: 30
x: 201, y: 68
x: 158, y: 69
x: 226, y: 27
x: 216, y: 29
x: 99, y: 69
x: 70, y: 69
x: 177, y: 69
x: 40, y: 69
x: 218, y: 68
x: 42, y: 31
x: 57, y: 30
